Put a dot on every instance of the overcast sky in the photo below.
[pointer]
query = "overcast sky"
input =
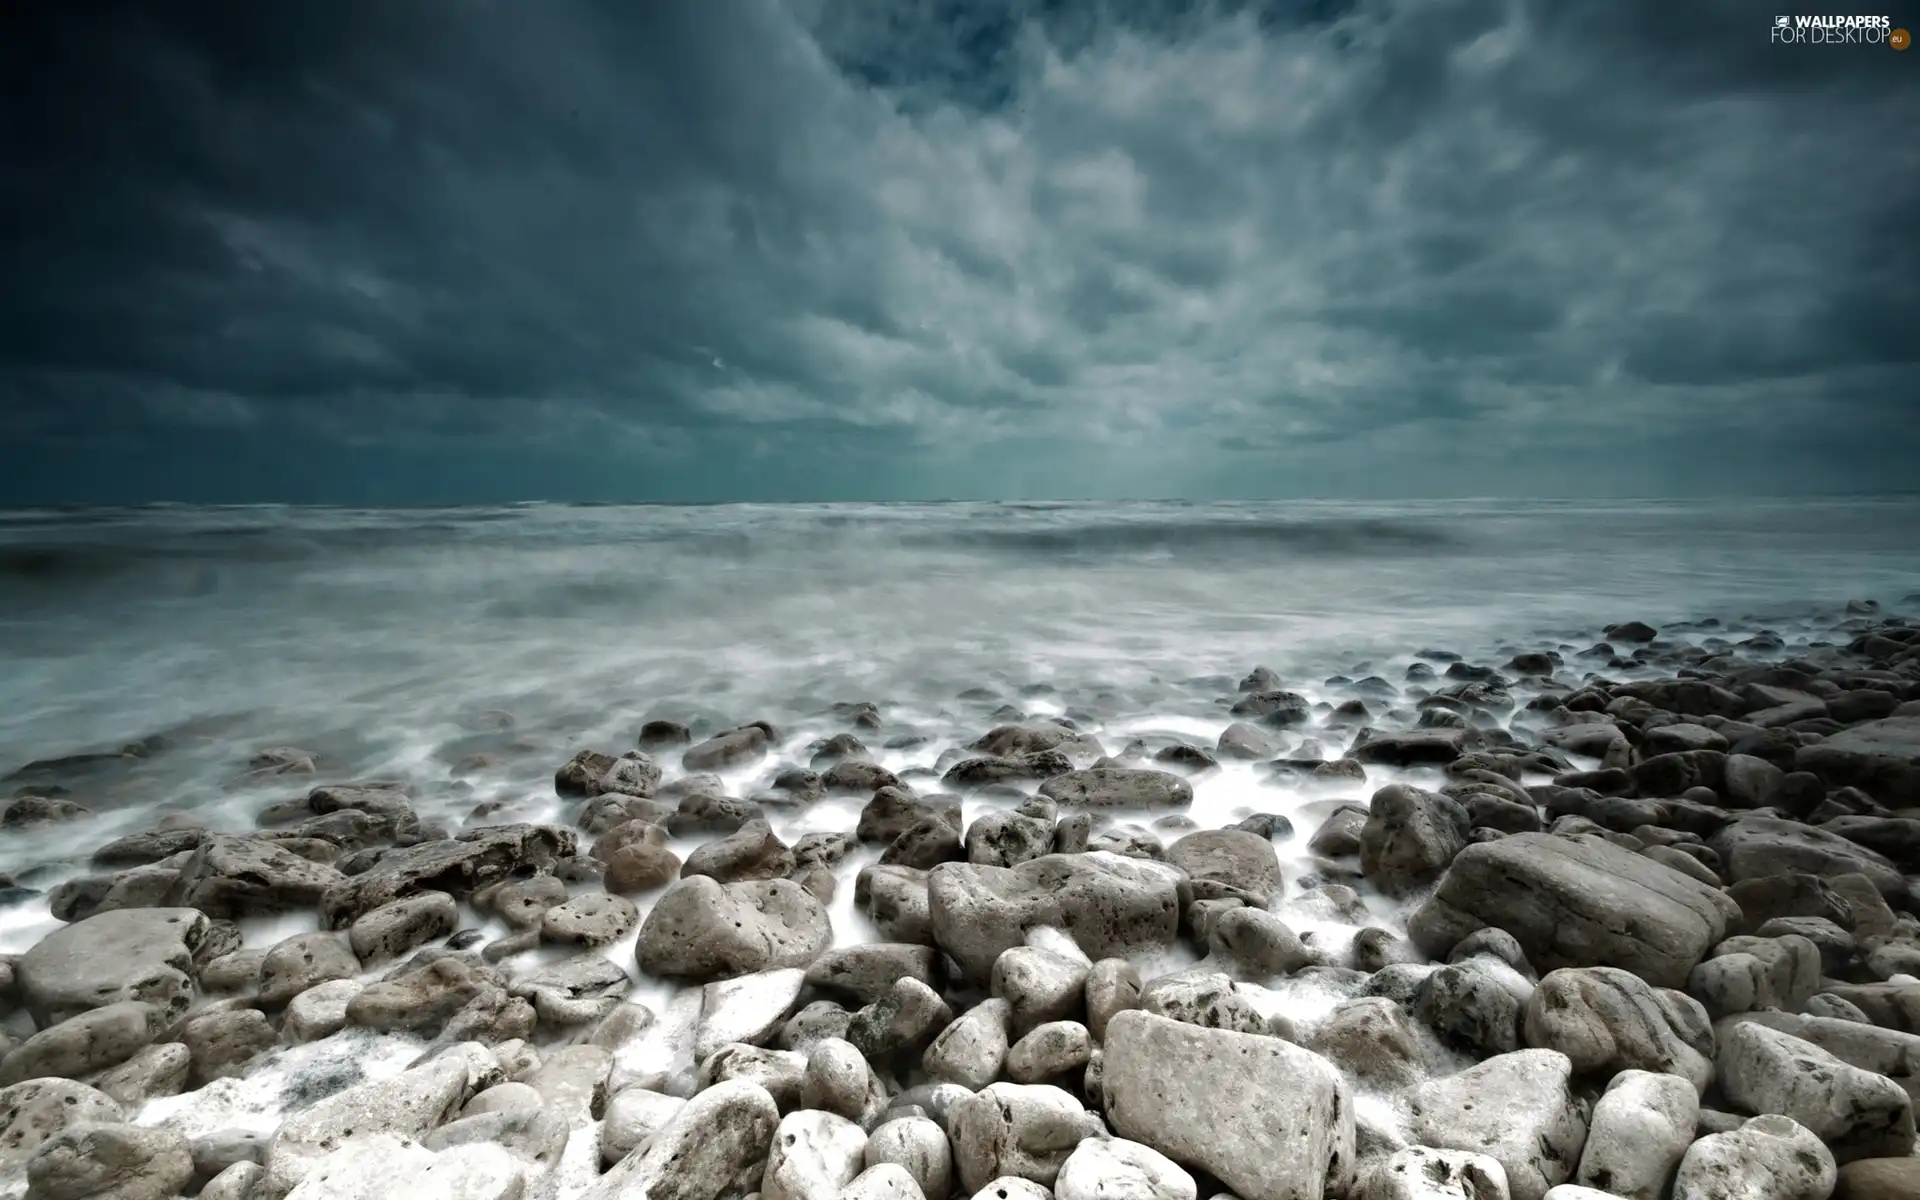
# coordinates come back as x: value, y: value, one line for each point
x: 467, y: 250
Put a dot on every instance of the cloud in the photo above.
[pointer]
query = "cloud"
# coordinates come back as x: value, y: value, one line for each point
x: 827, y: 248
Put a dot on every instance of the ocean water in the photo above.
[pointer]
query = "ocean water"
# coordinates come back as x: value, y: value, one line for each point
x: 472, y: 651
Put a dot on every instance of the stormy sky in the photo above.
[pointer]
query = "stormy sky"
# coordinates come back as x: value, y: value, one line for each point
x: 421, y: 251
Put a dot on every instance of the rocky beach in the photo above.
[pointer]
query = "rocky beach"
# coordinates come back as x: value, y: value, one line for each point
x: 1122, y: 853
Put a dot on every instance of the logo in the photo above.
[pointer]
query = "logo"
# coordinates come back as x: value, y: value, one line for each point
x: 1826, y: 29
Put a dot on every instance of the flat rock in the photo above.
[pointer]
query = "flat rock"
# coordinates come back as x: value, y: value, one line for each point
x: 110, y: 1162
x: 749, y: 1008
x: 409, y: 1105
x: 1104, y: 1168
x: 245, y: 877
x: 131, y: 954
x: 1577, y: 902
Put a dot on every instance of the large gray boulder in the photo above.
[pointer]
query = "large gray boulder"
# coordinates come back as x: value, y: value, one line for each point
x: 1857, y: 1113
x: 1881, y: 758
x: 1755, y: 847
x: 705, y: 930
x: 1606, y: 1020
x: 144, y: 954
x: 1577, y: 902
x: 1518, y: 1108
x: 1640, y: 1130
x: 79, y: 1046
x: 1188, y: 1092
x: 1110, y: 905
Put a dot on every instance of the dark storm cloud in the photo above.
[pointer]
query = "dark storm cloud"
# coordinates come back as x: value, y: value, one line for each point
x: 760, y: 248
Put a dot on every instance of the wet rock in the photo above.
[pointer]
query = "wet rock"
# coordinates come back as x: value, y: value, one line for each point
x: 132, y: 954
x: 393, y: 929
x: 1857, y: 1113
x: 1516, y: 1108
x: 1050, y: 1051
x: 1755, y: 847
x: 750, y: 852
x: 1229, y: 863
x: 707, y: 812
x: 1606, y: 1020
x: 1038, y: 985
x: 1184, y: 1091
x: 1577, y: 902
x: 1246, y: 743
x: 151, y: 1073
x: 866, y: 972
x: 634, y: 1116
x: 303, y: 961
x: 1769, y: 1158
x: 457, y: 866
x: 1020, y: 1130
x: 320, y: 1011
x: 1371, y: 1038
x: 40, y: 1109
x: 1409, y: 838
x: 1471, y: 1009
x: 1255, y: 944
x: 522, y: 903
x: 729, y: 748
x: 223, y: 1043
x: 1007, y: 839
x: 1640, y: 1130
x: 421, y: 1000
x: 1416, y: 747
x: 103, y: 1161
x: 241, y: 877
x: 895, y: 899
x: 1340, y: 834
x: 1882, y: 758
x: 701, y: 929
x: 1118, y: 787
x: 1109, y: 905
x: 581, y: 990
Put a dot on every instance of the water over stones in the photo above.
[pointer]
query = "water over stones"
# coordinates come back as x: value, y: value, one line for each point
x: 1119, y: 787
x: 1229, y: 863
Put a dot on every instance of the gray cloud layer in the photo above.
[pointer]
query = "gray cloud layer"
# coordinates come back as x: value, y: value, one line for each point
x: 704, y: 249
